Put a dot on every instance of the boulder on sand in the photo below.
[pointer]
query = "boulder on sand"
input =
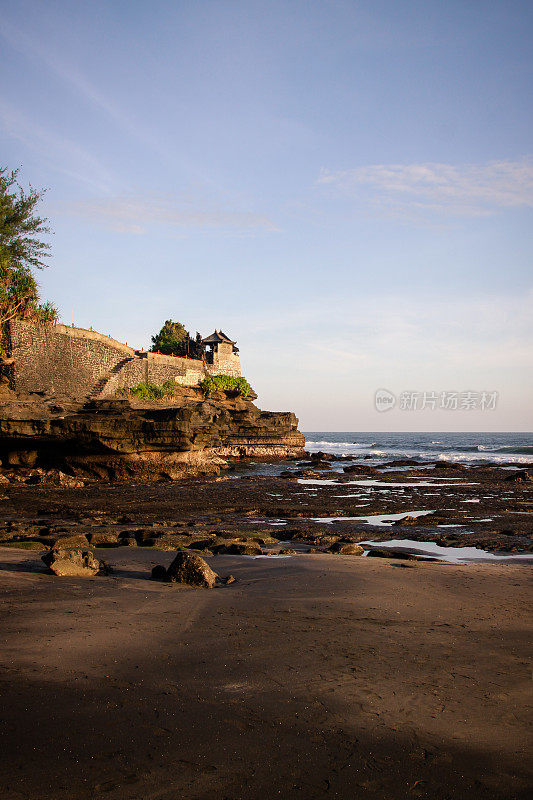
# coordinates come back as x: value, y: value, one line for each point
x: 346, y: 549
x: 159, y: 573
x: 187, y: 568
x: 74, y: 563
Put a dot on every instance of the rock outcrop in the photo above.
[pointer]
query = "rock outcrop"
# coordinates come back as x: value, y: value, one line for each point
x: 74, y: 563
x: 120, y: 439
x: 346, y: 549
x: 187, y: 568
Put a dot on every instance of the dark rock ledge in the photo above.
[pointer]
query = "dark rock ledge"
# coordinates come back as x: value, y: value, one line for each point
x: 123, y: 439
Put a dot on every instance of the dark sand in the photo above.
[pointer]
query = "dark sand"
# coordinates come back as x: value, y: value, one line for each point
x: 315, y: 676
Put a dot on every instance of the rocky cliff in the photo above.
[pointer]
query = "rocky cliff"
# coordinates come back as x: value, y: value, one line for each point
x: 124, y: 438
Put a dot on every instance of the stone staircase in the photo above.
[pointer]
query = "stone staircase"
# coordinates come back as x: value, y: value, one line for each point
x: 102, y: 382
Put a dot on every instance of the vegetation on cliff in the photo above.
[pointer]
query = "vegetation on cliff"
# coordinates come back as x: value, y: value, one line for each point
x: 209, y: 386
x: 22, y: 251
x: 226, y: 383
x: 149, y: 391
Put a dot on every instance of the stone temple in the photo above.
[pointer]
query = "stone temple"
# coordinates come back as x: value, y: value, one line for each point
x: 62, y: 360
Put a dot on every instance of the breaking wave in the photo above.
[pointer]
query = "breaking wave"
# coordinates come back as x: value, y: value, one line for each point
x: 468, y: 448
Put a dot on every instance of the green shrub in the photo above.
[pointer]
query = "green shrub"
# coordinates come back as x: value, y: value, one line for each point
x: 225, y: 383
x: 149, y: 391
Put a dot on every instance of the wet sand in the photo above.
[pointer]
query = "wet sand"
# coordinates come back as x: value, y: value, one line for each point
x: 315, y: 676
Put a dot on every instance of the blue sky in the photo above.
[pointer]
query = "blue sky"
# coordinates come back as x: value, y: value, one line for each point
x: 344, y: 187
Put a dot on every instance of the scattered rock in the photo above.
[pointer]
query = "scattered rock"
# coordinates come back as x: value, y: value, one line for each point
x: 74, y: 563
x: 68, y: 481
x: 191, y: 569
x: 346, y: 549
x: 141, y: 535
x: 321, y: 456
x: 4, y: 481
x: 166, y: 542
x: 202, y: 544
x: 104, y: 539
x: 287, y: 551
x: 237, y: 549
x: 360, y: 468
x: 402, y: 462
x: 159, y: 573
x: 322, y: 539
x: 519, y: 476
x: 230, y: 579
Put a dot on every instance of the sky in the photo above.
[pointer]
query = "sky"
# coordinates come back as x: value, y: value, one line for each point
x: 345, y: 188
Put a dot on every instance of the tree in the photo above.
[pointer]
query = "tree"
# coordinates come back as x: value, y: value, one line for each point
x: 171, y: 340
x: 22, y: 250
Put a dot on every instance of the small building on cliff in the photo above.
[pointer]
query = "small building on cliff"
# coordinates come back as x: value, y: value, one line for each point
x: 63, y: 360
x: 222, y: 354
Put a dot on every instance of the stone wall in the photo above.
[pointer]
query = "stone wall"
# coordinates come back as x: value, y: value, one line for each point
x: 76, y: 362
x: 225, y: 364
x: 223, y: 361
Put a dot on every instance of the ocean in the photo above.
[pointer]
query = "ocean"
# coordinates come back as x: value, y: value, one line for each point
x: 466, y: 448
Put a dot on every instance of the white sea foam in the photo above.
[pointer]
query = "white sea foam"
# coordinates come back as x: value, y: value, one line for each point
x: 463, y: 448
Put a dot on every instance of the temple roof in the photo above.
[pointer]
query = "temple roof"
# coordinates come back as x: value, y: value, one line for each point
x: 217, y: 338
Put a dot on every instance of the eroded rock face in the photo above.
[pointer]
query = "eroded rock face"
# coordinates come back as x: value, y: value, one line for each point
x: 122, y: 439
x: 73, y: 563
x: 187, y: 568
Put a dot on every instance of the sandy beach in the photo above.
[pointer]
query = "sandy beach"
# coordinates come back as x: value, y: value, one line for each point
x: 310, y: 677
x: 266, y: 432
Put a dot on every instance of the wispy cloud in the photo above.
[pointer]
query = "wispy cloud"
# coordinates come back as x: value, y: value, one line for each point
x: 65, y: 155
x: 134, y: 214
x: 36, y: 50
x: 67, y: 72
x: 464, y: 190
x: 399, y: 334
